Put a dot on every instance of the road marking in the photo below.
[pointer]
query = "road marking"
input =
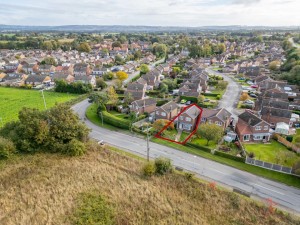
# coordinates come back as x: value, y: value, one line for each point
x: 268, y: 189
x: 219, y: 171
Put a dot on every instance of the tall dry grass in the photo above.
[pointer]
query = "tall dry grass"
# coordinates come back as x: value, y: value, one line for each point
x: 42, y: 189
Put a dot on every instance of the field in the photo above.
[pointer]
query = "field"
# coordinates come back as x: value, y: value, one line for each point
x: 13, y: 100
x: 47, y: 189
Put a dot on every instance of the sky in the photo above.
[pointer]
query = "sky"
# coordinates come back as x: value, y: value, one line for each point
x: 191, y: 13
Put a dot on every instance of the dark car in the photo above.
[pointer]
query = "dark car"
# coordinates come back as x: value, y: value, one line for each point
x: 253, y: 95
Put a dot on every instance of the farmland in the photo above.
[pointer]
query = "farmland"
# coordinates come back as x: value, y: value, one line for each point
x: 13, y: 100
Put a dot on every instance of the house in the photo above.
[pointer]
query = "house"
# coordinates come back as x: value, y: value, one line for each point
x: 167, y: 111
x: 100, y: 71
x: 62, y: 76
x: 188, y: 120
x: 251, y: 128
x: 37, y: 80
x: 220, y: 117
x: 275, y: 115
x: 190, y: 88
x: 147, y: 105
x: 137, y: 90
x: 46, y: 69
x: 86, y: 79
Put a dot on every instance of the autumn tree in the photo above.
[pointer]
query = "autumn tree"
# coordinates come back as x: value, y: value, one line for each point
x: 221, y: 48
x: 161, y: 123
x: 274, y: 65
x: 118, y: 84
x: 244, y: 96
x: 121, y: 75
x: 100, y: 83
x: 144, y: 69
x: 112, y: 96
x: 211, y: 132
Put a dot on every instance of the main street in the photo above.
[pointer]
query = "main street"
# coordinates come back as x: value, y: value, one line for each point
x: 285, y: 196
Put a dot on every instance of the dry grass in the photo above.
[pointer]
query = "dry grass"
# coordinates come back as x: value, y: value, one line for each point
x: 43, y: 188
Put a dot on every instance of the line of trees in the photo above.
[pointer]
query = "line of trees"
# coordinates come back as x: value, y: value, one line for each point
x: 76, y: 87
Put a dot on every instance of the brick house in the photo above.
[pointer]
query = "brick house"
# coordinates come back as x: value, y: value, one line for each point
x: 167, y: 111
x: 187, y: 121
x: 251, y: 128
x: 276, y: 115
x: 220, y: 117
x: 137, y: 90
x: 147, y: 105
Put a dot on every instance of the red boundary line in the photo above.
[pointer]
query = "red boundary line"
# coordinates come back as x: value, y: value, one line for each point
x: 158, y: 135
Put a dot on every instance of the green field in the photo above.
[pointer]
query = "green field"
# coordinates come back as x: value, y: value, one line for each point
x: 13, y: 100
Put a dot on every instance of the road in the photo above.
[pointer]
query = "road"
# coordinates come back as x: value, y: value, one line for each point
x: 283, y: 195
x: 151, y: 66
x: 231, y: 97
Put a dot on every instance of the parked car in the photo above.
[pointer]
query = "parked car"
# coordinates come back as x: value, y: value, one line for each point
x: 249, y: 82
x: 254, y: 86
x: 183, y: 101
x: 253, y: 95
x: 249, y: 102
x: 188, y: 102
x: 206, y: 100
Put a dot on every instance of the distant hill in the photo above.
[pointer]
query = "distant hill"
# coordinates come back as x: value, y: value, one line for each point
x: 120, y: 28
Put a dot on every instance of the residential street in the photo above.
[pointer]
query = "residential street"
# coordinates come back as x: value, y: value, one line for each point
x: 231, y: 97
x: 283, y: 195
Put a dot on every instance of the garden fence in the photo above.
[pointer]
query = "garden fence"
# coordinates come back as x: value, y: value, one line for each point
x: 269, y: 166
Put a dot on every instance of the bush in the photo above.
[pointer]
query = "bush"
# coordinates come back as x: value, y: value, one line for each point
x: 243, y: 106
x: 149, y: 169
x: 251, y: 154
x: 115, y: 121
x: 163, y: 166
x: 74, y: 148
x: 218, y: 97
x: 289, y: 138
x: 211, y: 94
x: 7, y: 148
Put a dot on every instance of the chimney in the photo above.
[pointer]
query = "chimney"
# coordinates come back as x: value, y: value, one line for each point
x: 249, y: 121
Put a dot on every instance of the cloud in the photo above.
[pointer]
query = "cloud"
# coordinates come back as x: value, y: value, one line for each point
x: 245, y: 2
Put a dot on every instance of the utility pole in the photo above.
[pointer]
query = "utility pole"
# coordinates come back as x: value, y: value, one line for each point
x: 44, y: 99
x: 148, y: 147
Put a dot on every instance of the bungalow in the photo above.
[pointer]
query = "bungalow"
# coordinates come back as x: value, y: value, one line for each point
x: 37, y: 80
x: 142, y: 106
x: 251, y: 128
x: 187, y: 121
x: 45, y: 69
x: 167, y: 111
x: 220, y: 117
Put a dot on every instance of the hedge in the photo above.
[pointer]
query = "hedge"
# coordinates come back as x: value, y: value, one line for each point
x: 228, y: 156
x: 199, y: 147
x: 189, y: 98
x: 120, y: 91
x: 211, y: 94
x: 135, y: 78
x: 179, y: 81
x: 115, y: 121
x: 153, y: 92
x: 162, y: 102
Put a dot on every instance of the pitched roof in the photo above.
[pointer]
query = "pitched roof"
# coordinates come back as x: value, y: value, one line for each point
x: 250, y: 118
x: 193, y: 111
x: 145, y: 102
x: 270, y: 111
x: 168, y: 107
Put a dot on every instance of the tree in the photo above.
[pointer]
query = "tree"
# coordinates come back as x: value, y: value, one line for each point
x: 121, y: 75
x: 159, y: 124
x: 108, y: 76
x: 221, y: 85
x: 244, y: 96
x: 47, y: 45
x: 49, y: 61
x: 160, y: 50
x: 137, y: 55
x: 128, y: 98
x: 171, y: 84
x: 221, y: 48
x: 274, y: 65
x: 75, y: 148
x: 163, y: 166
x: 119, y: 60
x: 116, y: 44
x: 201, y: 98
x: 118, y: 84
x: 210, y: 132
x: 84, y: 47
x: 176, y: 70
x: 100, y: 83
x: 144, y: 69
x: 99, y: 98
x: 112, y: 96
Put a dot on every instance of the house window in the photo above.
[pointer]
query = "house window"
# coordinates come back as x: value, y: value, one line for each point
x: 246, y: 137
x: 258, y: 128
x: 188, y: 119
x: 203, y: 119
x: 266, y: 127
x: 163, y: 114
x: 219, y: 123
x: 257, y: 137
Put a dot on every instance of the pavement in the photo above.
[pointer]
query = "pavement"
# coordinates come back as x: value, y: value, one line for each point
x: 231, y: 97
x: 284, y: 196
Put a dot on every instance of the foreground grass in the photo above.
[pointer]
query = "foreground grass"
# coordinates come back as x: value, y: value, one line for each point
x: 53, y: 189
x: 273, y: 175
x: 270, y: 151
x: 14, y: 99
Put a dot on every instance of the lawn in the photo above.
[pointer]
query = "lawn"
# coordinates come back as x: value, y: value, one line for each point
x: 14, y: 99
x: 119, y: 115
x: 202, y: 142
x: 273, y: 153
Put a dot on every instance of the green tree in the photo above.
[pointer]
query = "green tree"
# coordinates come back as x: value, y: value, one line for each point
x: 221, y: 48
x: 75, y: 148
x: 128, y: 98
x: 137, y: 55
x: 100, y: 83
x: 118, y: 84
x: 99, y: 98
x: 112, y: 96
x: 144, y: 69
x: 210, y: 132
x: 7, y: 148
x: 49, y: 61
x: 119, y: 60
x: 163, y: 166
x: 84, y: 47
x: 116, y: 44
x: 160, y: 50
x: 221, y: 85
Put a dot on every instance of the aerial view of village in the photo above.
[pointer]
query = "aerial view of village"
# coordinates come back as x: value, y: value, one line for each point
x: 149, y: 122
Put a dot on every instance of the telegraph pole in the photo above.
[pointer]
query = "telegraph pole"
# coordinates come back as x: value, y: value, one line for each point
x: 148, y: 147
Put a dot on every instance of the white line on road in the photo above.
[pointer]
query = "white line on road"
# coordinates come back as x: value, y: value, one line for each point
x: 268, y: 189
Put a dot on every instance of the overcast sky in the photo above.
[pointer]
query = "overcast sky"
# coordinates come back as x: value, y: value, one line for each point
x: 150, y: 12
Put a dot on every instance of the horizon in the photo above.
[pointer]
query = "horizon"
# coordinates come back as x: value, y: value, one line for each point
x: 165, y: 13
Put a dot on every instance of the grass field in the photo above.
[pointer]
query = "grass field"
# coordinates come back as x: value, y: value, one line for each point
x: 48, y: 189
x: 273, y: 153
x: 13, y: 100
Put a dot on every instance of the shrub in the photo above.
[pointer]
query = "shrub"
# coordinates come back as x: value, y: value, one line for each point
x: 251, y: 154
x: 7, y: 148
x: 74, y: 148
x: 218, y: 97
x: 115, y: 121
x: 149, y: 169
x: 228, y: 156
x: 163, y: 166
x: 289, y: 138
x: 297, y: 139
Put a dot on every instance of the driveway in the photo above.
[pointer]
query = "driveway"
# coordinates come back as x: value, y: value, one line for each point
x: 231, y: 96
